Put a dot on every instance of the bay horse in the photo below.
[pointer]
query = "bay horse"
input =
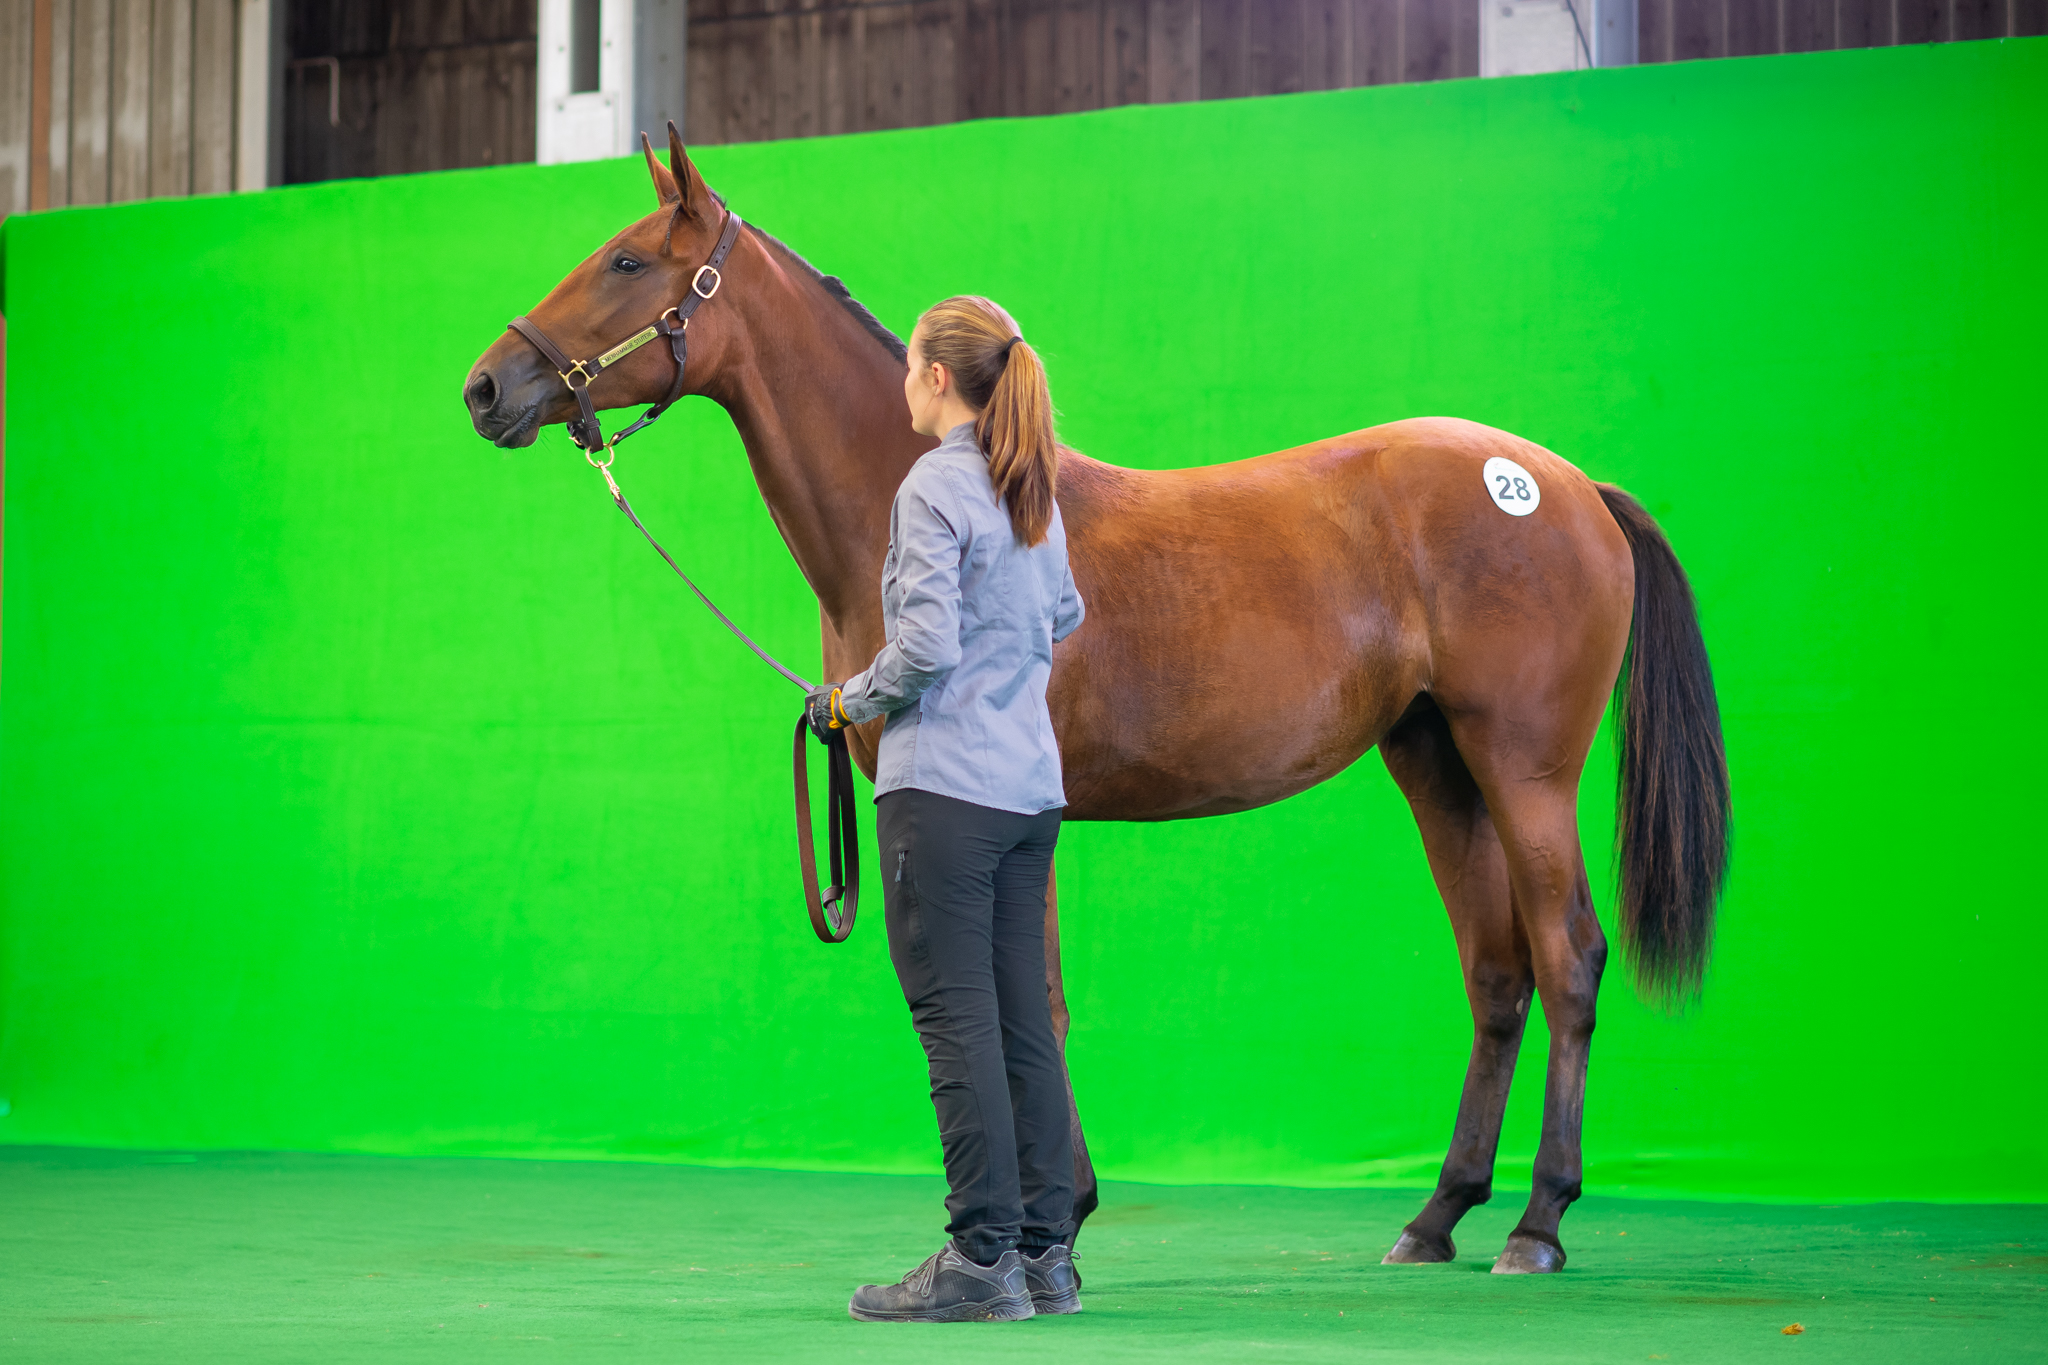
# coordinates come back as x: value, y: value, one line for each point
x: 1253, y: 628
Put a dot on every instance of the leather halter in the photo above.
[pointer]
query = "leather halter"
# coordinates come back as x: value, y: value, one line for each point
x: 832, y: 913
x: 586, y: 431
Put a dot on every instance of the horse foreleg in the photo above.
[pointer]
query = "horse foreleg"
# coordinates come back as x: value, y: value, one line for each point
x: 1086, y: 1198
x: 1470, y: 869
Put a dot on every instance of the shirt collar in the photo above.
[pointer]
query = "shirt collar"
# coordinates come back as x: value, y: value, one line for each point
x: 962, y: 438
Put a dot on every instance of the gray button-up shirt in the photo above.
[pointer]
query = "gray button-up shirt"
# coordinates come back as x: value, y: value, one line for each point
x: 971, y: 617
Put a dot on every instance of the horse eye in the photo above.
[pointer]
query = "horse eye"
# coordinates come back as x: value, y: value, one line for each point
x: 626, y: 265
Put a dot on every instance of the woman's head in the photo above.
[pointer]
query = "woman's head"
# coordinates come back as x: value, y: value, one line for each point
x: 968, y: 349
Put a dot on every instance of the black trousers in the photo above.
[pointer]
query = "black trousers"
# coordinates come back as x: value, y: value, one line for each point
x: 965, y: 893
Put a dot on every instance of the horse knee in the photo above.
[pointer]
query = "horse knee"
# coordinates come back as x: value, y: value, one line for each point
x: 1589, y: 941
x: 1500, y: 1003
x: 1571, y: 994
x: 1571, y: 1013
x: 1568, y: 975
x: 1501, y: 1021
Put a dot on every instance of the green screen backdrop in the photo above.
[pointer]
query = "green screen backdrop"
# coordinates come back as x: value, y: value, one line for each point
x: 363, y: 787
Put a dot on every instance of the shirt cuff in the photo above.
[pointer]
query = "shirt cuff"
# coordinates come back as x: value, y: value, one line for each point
x: 858, y: 708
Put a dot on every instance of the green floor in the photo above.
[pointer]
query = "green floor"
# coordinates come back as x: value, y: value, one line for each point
x: 263, y: 1257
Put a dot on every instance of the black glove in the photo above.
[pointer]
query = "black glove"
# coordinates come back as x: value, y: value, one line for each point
x: 824, y: 712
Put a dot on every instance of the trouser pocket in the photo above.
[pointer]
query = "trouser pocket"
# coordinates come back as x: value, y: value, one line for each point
x: 909, y: 943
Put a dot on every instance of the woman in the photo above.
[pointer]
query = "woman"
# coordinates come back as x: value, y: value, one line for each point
x: 975, y: 592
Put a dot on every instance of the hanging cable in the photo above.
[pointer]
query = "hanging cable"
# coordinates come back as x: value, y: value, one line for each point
x: 1584, y: 46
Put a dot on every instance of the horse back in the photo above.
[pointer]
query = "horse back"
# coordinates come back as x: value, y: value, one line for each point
x: 1288, y: 608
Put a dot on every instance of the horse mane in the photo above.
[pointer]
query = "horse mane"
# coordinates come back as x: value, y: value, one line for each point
x: 836, y: 287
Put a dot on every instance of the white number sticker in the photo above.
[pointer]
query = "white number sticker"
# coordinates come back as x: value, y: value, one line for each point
x: 1512, y: 488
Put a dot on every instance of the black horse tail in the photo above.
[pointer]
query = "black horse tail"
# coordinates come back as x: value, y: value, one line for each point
x: 1672, y: 808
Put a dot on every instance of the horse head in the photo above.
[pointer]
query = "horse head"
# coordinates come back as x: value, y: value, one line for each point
x: 513, y: 389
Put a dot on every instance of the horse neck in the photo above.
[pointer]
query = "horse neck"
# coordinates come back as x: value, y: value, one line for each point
x: 818, y: 403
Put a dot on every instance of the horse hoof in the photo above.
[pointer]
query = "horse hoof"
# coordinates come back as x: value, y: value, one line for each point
x: 1525, y: 1255
x: 1414, y: 1250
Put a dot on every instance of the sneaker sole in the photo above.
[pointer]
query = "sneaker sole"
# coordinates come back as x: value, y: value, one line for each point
x: 999, y: 1310
x: 1069, y: 1302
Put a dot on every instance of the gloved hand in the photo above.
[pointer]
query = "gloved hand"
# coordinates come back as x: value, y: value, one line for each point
x: 823, y: 711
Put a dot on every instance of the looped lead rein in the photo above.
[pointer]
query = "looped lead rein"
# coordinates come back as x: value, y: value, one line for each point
x: 833, y: 908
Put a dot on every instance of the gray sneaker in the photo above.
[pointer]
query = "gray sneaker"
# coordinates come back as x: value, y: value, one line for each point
x: 949, y: 1288
x: 1054, y: 1284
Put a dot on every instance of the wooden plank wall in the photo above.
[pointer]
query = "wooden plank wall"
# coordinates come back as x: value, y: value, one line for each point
x: 109, y: 100
x: 104, y: 100
x: 426, y: 85
x: 128, y: 99
x: 761, y: 69
x: 793, y: 68
x: 17, y: 112
x: 1682, y: 30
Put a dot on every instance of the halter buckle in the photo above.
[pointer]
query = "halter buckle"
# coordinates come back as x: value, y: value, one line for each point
x: 580, y: 367
x: 697, y: 284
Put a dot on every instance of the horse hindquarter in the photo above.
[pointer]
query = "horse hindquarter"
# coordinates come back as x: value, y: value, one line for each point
x: 1529, y: 618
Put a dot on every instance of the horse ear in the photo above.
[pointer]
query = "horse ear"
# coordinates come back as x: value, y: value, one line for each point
x: 695, y: 193
x: 664, y: 184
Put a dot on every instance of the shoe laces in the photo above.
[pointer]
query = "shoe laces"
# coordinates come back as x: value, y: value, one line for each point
x: 921, y: 1279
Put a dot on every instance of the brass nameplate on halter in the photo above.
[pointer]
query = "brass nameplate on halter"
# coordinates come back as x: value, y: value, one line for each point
x: 626, y: 348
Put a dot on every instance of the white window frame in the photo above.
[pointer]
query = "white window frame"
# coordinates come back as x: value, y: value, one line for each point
x: 593, y: 124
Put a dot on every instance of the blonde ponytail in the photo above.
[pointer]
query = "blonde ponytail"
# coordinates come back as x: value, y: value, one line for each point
x: 1001, y: 376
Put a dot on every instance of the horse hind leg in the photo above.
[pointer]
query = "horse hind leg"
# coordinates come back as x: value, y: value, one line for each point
x: 1570, y: 953
x: 1086, y: 1194
x: 1534, y: 804
x: 1470, y: 869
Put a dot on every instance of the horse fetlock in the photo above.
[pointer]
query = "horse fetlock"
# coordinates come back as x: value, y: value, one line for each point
x: 1554, y: 1193
x: 1455, y: 1197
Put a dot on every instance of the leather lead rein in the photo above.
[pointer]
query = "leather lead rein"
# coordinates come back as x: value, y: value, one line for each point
x: 833, y: 913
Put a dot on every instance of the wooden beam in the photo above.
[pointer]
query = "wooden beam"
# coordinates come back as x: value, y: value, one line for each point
x: 39, y: 110
x: 170, y: 99
x: 17, y: 102
x: 57, y: 144
x: 128, y: 53
x: 255, y: 92
x: 213, y: 96
x: 1173, y: 44
x: 92, y: 35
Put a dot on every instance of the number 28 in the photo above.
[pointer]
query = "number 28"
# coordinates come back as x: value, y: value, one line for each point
x: 1520, y: 491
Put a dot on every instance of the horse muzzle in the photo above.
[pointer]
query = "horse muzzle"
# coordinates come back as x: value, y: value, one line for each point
x: 508, y: 397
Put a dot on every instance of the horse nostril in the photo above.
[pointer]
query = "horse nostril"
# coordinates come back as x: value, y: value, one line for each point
x: 482, y: 393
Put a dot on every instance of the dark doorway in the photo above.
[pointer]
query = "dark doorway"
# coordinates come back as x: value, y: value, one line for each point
x: 382, y: 87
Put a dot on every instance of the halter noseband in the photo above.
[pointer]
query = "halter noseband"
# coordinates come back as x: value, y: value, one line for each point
x: 586, y: 431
